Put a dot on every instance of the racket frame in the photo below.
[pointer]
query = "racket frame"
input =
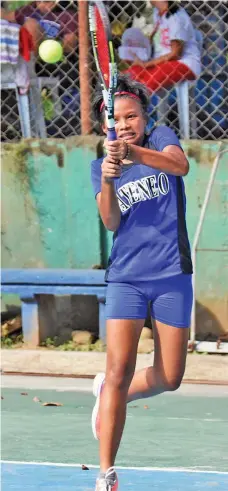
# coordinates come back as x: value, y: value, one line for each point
x: 108, y: 89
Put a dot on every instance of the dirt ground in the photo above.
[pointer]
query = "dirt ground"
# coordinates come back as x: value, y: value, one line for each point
x: 199, y: 368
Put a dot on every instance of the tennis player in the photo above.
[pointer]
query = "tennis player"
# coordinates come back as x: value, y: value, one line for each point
x: 140, y: 195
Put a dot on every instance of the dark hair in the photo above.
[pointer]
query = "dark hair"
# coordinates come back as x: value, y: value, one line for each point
x: 173, y: 7
x: 124, y: 84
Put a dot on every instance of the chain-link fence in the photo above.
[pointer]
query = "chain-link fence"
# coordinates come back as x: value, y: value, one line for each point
x: 54, y: 108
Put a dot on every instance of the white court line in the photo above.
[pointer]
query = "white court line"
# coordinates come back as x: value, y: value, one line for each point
x: 211, y: 420
x: 160, y: 469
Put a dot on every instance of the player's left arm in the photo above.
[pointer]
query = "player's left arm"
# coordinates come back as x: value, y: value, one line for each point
x: 171, y: 160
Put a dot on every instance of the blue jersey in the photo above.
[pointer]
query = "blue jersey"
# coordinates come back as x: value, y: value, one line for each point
x: 151, y: 241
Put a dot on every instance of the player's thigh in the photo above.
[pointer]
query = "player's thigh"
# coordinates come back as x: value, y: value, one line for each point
x: 122, y: 337
x: 170, y: 351
x: 171, y: 313
x: 126, y: 310
x: 122, y: 342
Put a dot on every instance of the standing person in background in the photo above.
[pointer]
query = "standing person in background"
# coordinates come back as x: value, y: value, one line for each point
x: 140, y: 195
x: 176, y: 50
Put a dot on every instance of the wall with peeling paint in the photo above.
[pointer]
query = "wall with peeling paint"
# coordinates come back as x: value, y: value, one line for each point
x: 50, y: 219
x: 212, y: 264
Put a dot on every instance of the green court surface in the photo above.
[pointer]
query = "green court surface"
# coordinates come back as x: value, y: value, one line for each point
x: 176, y: 430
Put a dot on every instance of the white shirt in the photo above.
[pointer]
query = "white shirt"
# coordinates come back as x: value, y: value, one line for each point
x: 177, y: 27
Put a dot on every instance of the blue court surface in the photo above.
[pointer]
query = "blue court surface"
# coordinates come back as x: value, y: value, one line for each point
x: 33, y: 477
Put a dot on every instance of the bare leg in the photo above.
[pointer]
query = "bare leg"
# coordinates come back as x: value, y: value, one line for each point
x: 120, y: 384
x: 169, y: 363
x: 122, y: 342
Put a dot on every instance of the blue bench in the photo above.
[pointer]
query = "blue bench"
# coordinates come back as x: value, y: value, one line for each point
x: 29, y: 283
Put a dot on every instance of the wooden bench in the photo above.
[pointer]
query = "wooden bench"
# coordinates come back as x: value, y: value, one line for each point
x: 29, y: 283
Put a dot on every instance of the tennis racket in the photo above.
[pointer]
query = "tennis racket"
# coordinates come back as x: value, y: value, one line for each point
x: 104, y: 55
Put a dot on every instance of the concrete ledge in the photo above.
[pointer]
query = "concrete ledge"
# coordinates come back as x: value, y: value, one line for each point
x: 200, y: 368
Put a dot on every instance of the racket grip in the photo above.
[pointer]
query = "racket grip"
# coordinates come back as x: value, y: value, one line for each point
x: 111, y: 137
x: 112, y: 134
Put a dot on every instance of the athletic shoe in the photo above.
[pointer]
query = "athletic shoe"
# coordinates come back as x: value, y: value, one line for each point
x: 98, y: 385
x: 109, y: 482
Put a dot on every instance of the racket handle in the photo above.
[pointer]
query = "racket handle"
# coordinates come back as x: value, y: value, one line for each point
x: 111, y: 137
x: 112, y: 134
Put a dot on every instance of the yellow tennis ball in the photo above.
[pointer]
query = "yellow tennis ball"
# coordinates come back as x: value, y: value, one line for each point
x: 50, y: 51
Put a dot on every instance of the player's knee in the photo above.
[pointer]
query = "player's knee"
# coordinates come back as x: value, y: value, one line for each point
x: 119, y: 376
x: 173, y: 383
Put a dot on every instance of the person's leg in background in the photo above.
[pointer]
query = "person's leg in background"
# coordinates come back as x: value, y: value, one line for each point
x: 164, y: 75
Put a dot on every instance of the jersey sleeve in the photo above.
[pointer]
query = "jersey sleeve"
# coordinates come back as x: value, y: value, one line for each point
x: 96, y: 175
x: 163, y: 136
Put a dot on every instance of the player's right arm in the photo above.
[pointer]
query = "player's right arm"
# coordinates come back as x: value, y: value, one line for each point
x: 106, y: 200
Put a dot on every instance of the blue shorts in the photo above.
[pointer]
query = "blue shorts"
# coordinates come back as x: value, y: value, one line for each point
x: 171, y: 300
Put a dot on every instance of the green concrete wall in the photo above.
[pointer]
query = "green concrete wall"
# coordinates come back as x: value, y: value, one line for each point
x: 50, y: 219
x: 211, y: 266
